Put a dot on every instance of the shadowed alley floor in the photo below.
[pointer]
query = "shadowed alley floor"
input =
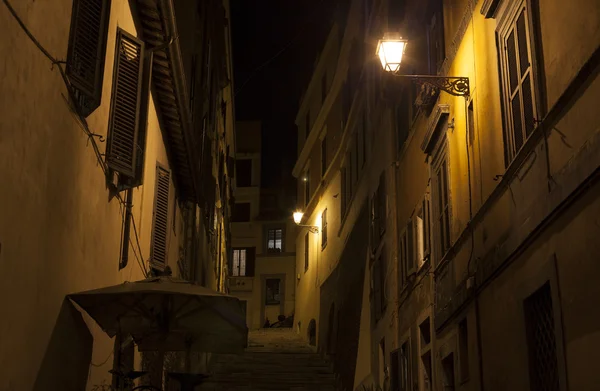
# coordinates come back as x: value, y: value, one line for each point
x: 276, y: 359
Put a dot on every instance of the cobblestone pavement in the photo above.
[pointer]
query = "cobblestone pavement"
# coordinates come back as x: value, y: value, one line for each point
x: 276, y: 359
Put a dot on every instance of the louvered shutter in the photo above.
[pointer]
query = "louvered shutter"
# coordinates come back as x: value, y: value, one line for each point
x: 123, y: 130
x: 410, y: 249
x: 87, y: 50
x: 161, y: 217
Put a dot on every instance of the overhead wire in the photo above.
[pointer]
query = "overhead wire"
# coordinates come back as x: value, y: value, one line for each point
x: 73, y: 107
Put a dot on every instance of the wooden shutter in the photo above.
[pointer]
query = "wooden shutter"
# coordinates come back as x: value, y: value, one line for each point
x: 125, y: 105
x: 137, y: 180
x: 377, y: 288
x: 87, y: 50
x: 343, y: 191
x: 411, y: 254
x: 160, y: 227
x: 426, y: 227
x: 382, y: 213
x: 250, y: 261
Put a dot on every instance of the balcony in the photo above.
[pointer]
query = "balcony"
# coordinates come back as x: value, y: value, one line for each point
x: 240, y: 284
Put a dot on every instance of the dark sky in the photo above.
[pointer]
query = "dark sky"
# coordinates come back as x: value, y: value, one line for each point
x: 270, y: 90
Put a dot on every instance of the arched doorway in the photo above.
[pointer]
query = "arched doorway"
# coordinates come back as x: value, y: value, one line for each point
x: 331, y: 329
x: 312, y: 332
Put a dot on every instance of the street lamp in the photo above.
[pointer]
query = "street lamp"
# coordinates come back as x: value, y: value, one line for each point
x: 390, y: 51
x: 298, y: 218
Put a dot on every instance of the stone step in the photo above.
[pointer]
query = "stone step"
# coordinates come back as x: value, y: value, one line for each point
x: 220, y: 387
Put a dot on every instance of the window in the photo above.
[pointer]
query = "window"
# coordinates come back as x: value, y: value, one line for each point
x: 448, y: 374
x: 357, y: 166
x: 435, y: 38
x: 442, y: 201
x: 402, y: 121
x: 516, y: 40
x: 471, y: 123
x: 124, y: 121
x: 239, y: 262
x: 363, y: 136
x: 160, y: 221
x: 344, y: 195
x: 306, y: 188
x: 378, y: 212
x: 324, y: 87
x: 306, y: 251
x: 241, y: 212
x: 376, y: 293
x: 272, y: 296
x: 382, y: 363
x: 541, y: 340
x: 421, y: 232
x: 307, y: 124
x: 243, y: 172
x: 407, y: 255
x: 405, y: 383
x: 379, y: 288
x: 425, y: 364
x: 463, y: 350
x: 324, y: 229
x: 275, y: 240
x: 324, y: 156
x: 87, y: 51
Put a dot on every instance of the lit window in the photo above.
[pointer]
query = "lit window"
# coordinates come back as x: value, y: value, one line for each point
x: 275, y: 240
x: 239, y: 262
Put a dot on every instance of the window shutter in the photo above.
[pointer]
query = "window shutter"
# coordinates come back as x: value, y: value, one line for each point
x: 343, y: 192
x: 87, y: 50
x: 382, y: 214
x: 250, y: 261
x: 143, y: 121
x: 125, y: 105
x: 377, y: 289
x: 426, y: 227
x: 410, y: 247
x: 161, y: 217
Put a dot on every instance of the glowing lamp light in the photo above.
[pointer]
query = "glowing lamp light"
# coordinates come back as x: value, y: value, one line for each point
x: 298, y: 217
x: 390, y: 50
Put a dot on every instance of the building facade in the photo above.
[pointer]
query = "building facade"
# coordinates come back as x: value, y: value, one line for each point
x: 261, y: 271
x: 482, y: 211
x: 111, y: 169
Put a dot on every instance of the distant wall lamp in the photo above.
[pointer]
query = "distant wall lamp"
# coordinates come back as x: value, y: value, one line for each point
x: 298, y: 218
x: 390, y: 51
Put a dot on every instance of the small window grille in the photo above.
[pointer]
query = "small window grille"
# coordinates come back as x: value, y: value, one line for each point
x: 541, y: 340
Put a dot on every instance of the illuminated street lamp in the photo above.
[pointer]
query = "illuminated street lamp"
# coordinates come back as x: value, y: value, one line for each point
x: 298, y: 218
x: 390, y: 51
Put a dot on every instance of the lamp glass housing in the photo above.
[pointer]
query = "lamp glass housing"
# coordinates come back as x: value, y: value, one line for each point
x: 390, y: 51
x: 298, y: 217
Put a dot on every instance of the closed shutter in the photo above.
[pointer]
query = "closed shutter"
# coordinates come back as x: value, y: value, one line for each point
x: 161, y: 217
x: 87, y: 50
x: 377, y: 289
x: 410, y: 245
x: 382, y: 197
x: 250, y: 261
x: 125, y: 105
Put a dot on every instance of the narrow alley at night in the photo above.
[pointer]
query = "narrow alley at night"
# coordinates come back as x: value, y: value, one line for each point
x: 315, y: 195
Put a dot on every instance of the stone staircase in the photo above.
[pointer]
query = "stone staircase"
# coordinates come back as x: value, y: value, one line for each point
x: 276, y: 359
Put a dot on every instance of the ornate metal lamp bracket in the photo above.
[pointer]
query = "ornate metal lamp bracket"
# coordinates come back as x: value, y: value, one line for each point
x: 457, y: 86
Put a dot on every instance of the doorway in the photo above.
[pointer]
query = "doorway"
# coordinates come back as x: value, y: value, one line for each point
x: 273, y: 297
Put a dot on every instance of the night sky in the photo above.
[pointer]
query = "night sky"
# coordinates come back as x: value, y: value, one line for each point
x: 275, y: 45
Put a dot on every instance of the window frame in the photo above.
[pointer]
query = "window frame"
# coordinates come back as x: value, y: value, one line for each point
x: 425, y: 349
x: 275, y: 229
x: 441, y: 157
x: 422, y: 211
x: 239, y: 266
x: 324, y: 229
x: 306, y: 181
x: 507, y: 23
x: 306, y: 252
x: 324, y: 165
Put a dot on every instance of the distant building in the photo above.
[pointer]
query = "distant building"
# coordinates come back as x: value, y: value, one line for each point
x: 261, y: 270
x: 113, y: 175
x: 480, y: 251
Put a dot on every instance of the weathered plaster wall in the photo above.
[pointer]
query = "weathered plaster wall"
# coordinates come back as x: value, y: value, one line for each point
x: 59, y: 231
